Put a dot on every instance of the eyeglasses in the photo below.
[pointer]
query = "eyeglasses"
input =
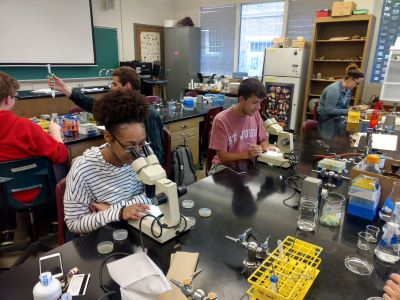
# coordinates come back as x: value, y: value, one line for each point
x: 130, y: 149
x: 357, y: 81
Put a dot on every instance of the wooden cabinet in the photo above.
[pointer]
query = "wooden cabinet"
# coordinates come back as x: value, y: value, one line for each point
x: 38, y: 106
x: 337, y: 42
x: 77, y: 149
x: 186, y: 132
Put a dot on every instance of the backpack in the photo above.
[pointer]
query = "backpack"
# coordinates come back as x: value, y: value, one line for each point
x: 183, y: 172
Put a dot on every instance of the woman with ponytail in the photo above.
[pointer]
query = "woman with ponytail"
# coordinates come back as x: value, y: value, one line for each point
x: 335, y: 99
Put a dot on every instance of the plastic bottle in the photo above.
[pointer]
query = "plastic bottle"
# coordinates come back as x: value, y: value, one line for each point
x: 47, y: 288
x: 387, y: 249
x: 390, y: 201
x: 372, y: 164
x: 274, y: 283
x: 374, y: 119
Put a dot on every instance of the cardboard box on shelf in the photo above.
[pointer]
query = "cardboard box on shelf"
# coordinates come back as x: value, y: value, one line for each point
x: 299, y: 44
x: 341, y: 9
x: 281, y: 42
x: 385, y: 181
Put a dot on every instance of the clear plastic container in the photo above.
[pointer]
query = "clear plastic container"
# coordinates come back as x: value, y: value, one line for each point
x: 332, y: 209
x: 372, y: 165
x: 390, y: 202
x: 364, y: 195
x: 307, y: 216
x: 388, y: 249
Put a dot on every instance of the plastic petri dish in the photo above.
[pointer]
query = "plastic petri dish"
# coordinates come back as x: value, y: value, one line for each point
x: 120, y: 234
x: 188, y: 203
x: 190, y: 221
x: 358, y: 265
x: 205, y: 212
x: 105, y: 247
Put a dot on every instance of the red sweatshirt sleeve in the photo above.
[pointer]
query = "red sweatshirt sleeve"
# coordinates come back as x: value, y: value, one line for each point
x: 45, y: 145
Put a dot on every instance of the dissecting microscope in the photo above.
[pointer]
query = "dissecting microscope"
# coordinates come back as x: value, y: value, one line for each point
x: 167, y: 222
x: 284, y: 143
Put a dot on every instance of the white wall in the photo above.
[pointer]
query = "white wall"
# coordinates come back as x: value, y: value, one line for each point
x: 125, y: 14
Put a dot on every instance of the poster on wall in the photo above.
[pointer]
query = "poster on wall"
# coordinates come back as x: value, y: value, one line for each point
x: 150, y: 46
x: 279, y: 102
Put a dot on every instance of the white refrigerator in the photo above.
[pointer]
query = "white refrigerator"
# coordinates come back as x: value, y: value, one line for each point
x: 284, y: 77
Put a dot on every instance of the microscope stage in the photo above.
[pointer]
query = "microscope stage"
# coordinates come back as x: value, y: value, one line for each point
x: 274, y: 158
x: 167, y: 233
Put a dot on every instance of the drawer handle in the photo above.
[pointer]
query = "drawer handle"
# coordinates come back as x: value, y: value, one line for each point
x: 183, y: 126
x: 183, y: 134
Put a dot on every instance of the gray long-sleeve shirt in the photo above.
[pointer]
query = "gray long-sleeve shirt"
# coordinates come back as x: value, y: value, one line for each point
x: 334, y: 101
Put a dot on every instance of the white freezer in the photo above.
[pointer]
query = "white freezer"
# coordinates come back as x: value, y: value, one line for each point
x: 286, y: 62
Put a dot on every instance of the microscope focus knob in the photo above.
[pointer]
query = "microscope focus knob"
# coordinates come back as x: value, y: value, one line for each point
x: 160, y: 199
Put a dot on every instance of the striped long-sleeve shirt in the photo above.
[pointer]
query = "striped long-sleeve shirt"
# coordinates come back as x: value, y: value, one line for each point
x: 92, y: 179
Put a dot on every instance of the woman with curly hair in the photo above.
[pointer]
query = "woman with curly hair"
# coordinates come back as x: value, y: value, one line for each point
x: 101, y: 185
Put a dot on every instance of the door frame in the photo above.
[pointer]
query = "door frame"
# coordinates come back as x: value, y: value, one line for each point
x: 136, y: 39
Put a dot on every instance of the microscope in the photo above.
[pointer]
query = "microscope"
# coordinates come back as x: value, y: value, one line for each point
x: 164, y: 221
x: 284, y: 143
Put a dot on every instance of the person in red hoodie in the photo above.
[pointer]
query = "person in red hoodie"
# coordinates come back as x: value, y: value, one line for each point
x: 21, y: 138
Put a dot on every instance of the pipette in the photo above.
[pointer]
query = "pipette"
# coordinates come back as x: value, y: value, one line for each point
x: 51, y: 76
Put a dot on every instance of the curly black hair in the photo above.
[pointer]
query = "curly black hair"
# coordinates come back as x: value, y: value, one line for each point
x: 120, y: 107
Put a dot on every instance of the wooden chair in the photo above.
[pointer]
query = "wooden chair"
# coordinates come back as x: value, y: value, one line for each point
x: 206, y: 130
x: 191, y: 94
x: 76, y: 110
x: 153, y: 99
x: 311, y: 124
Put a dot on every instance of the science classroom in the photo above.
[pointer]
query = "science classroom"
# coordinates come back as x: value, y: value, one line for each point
x: 203, y: 150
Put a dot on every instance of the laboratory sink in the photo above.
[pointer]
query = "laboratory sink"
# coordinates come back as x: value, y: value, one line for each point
x: 95, y: 89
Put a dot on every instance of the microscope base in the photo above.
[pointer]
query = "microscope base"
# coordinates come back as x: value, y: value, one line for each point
x: 275, y: 159
x: 167, y: 233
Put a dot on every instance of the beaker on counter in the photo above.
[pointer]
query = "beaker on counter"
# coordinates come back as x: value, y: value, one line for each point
x: 332, y: 209
x: 307, y: 216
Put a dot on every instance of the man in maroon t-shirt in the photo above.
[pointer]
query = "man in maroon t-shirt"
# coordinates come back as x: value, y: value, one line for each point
x: 238, y: 132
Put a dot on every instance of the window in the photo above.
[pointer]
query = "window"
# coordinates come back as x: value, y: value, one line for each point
x: 217, y: 39
x: 388, y: 31
x: 259, y: 24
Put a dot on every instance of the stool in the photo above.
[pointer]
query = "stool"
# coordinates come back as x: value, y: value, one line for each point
x: 159, y: 87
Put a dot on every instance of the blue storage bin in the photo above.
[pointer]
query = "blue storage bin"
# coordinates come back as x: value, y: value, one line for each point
x: 361, y: 211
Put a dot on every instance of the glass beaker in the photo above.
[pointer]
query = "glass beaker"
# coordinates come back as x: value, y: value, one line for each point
x: 332, y: 209
x: 307, y: 215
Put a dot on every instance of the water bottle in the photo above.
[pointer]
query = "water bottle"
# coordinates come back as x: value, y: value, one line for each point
x: 390, y: 201
x: 387, y: 249
x: 373, y: 164
x: 47, y: 288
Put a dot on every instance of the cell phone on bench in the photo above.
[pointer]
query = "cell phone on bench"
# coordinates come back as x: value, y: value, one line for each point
x: 51, y: 263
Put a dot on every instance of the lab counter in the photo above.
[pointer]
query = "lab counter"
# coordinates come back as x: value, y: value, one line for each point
x: 251, y: 199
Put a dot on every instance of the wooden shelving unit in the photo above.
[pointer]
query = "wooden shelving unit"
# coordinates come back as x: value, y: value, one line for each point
x: 331, y: 57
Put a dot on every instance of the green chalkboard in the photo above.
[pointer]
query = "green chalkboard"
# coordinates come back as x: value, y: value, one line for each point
x: 106, y: 48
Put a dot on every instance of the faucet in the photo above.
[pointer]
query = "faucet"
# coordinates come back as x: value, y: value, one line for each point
x: 108, y: 73
x: 101, y: 72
